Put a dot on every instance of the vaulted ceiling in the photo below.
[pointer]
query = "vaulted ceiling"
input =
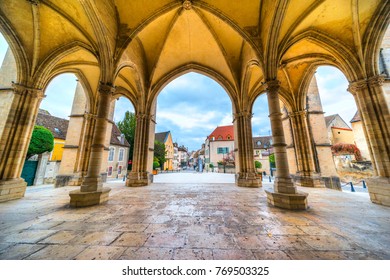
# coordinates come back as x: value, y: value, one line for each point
x: 141, y: 45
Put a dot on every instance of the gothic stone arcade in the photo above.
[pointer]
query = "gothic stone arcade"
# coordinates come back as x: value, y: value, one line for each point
x: 251, y: 47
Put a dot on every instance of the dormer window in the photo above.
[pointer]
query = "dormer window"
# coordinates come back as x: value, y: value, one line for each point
x: 57, y: 130
x: 258, y: 143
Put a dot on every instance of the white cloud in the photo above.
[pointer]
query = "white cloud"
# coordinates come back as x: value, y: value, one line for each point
x: 335, y: 98
x: 187, y: 119
x: 226, y: 120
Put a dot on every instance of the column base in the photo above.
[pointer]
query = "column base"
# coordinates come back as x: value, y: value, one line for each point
x: 332, y: 182
x: 83, y: 199
x: 91, y: 184
x: 137, y: 179
x: 296, y: 201
x: 248, y: 180
x: 12, y: 189
x: 379, y: 190
x: 308, y: 181
x: 284, y: 185
x: 68, y: 180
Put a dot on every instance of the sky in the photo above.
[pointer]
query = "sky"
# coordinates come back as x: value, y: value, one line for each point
x: 193, y: 105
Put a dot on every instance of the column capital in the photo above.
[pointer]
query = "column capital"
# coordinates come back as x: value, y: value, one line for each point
x: 106, y: 88
x: 22, y: 90
x: 295, y: 114
x: 359, y: 85
x: 143, y: 116
x: 242, y: 114
x: 272, y: 86
x: 89, y: 116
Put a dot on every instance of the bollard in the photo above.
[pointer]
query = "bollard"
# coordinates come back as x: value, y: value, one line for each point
x: 269, y: 178
x: 364, y: 185
x: 352, y: 188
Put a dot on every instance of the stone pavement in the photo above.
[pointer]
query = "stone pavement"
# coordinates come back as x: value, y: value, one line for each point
x: 192, y: 221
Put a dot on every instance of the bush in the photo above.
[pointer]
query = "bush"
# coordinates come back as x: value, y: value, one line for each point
x: 156, y: 165
x: 258, y: 164
x: 42, y: 140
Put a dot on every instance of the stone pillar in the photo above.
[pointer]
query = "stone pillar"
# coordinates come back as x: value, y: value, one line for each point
x: 306, y: 175
x: 288, y: 136
x: 91, y: 191
x: 321, y: 147
x: 107, y: 142
x: 375, y: 115
x: 246, y: 176
x: 284, y: 194
x: 75, y: 157
x: 139, y: 175
x: 152, y: 129
x: 15, y: 140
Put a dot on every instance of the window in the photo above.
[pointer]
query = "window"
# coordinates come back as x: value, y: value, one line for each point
x: 258, y: 143
x: 121, y: 152
x: 111, y: 154
x: 219, y: 137
x: 223, y: 150
x: 109, y: 171
x: 228, y: 137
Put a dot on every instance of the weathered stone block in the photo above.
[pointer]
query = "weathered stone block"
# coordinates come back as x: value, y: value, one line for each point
x: 297, y: 201
x: 83, y: 199
x: 379, y: 190
x: 12, y: 189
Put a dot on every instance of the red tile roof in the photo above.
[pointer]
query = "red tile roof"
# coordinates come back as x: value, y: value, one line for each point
x: 222, y: 133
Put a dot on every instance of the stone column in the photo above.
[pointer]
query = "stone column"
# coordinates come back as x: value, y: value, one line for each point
x: 246, y: 176
x: 306, y: 175
x: 15, y: 140
x: 139, y: 175
x: 374, y: 111
x: 73, y: 164
x: 284, y: 194
x: 91, y: 191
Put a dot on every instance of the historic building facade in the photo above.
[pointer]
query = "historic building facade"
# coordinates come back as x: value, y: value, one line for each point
x: 249, y: 47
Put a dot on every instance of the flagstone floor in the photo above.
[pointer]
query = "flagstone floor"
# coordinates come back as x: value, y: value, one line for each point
x: 193, y: 221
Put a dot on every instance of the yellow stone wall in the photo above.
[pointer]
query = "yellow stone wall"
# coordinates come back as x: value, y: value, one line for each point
x: 360, y: 140
x: 169, y: 156
x: 342, y: 136
x: 58, y: 150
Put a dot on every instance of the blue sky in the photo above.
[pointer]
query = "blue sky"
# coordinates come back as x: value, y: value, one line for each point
x: 192, y: 105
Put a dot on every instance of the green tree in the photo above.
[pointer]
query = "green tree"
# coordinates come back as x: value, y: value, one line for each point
x: 42, y: 140
x: 160, y: 153
x: 258, y: 164
x: 127, y: 127
x: 272, y: 161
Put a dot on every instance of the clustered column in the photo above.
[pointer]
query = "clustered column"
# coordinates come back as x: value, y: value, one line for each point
x: 306, y: 172
x: 374, y: 111
x: 91, y: 190
x: 15, y: 140
x: 139, y: 175
x: 246, y: 175
x: 285, y: 194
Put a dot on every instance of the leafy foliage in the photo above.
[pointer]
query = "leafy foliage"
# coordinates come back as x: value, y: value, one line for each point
x: 42, y: 140
x: 258, y: 164
x: 272, y: 160
x: 127, y: 127
x: 346, y: 149
x: 160, y: 153
x: 156, y: 163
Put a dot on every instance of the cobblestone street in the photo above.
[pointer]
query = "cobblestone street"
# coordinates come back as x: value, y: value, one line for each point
x: 182, y: 219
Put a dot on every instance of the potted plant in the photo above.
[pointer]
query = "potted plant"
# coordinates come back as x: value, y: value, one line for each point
x: 156, y: 165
